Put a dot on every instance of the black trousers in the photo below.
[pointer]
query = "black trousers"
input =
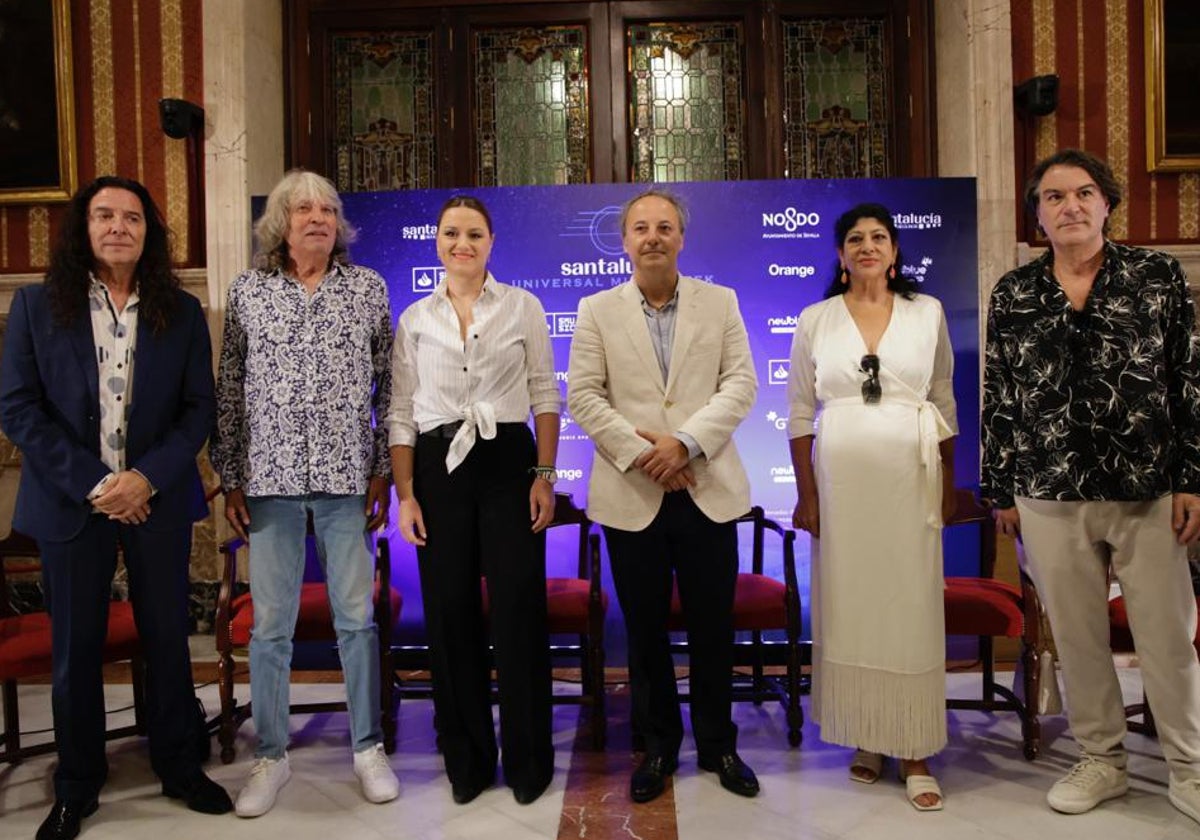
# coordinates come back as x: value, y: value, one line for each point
x: 702, y: 555
x: 477, y: 523
x: 77, y: 577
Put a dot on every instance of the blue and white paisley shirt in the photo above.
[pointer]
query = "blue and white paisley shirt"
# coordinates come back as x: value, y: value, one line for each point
x: 304, y: 384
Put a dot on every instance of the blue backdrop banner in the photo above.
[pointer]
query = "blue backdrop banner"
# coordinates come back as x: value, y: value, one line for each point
x: 771, y: 241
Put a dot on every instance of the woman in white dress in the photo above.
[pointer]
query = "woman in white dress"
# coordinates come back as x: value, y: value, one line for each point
x: 873, y: 360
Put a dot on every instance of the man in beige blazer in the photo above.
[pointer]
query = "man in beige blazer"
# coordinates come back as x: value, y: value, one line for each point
x: 660, y: 376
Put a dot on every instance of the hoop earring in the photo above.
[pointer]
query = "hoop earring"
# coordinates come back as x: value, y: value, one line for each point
x: 845, y: 276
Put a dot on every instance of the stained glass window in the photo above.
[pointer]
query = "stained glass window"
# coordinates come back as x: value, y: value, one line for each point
x: 531, y: 106
x: 384, y: 127
x: 686, y: 101
x: 836, y: 90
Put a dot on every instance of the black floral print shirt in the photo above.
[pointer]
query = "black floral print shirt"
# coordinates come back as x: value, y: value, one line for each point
x: 1097, y: 405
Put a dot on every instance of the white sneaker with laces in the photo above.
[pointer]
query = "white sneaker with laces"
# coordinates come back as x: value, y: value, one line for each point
x: 1089, y: 783
x: 379, y: 782
x: 1185, y: 795
x: 267, y: 776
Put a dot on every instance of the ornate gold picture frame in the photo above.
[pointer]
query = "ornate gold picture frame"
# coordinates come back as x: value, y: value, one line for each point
x: 37, y: 102
x: 1172, y: 86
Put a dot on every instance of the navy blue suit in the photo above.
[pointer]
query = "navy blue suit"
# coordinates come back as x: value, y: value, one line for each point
x: 50, y: 408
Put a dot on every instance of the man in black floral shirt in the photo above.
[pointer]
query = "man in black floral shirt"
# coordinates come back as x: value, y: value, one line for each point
x: 1091, y: 439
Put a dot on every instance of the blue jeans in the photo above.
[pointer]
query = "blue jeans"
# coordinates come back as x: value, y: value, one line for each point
x: 277, y: 536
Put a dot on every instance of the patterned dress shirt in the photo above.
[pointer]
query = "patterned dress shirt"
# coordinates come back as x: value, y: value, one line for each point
x: 1097, y: 405
x: 115, y: 334
x: 301, y: 379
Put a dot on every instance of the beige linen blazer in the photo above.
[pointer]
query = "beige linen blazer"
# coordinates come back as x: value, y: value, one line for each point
x: 614, y: 386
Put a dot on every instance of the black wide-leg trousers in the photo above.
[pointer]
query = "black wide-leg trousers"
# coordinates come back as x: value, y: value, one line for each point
x: 477, y: 523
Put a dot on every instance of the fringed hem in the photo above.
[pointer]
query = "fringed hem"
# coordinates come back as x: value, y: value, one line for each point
x: 899, y: 715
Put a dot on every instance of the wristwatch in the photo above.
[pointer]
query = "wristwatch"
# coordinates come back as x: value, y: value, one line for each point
x: 546, y: 474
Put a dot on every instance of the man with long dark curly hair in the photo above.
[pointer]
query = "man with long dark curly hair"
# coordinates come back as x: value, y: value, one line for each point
x: 106, y: 386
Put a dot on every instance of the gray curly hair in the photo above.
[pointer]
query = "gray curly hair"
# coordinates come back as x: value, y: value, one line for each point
x: 272, y: 227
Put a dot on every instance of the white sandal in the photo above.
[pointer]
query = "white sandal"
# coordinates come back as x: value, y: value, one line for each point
x: 871, y: 762
x: 919, y: 785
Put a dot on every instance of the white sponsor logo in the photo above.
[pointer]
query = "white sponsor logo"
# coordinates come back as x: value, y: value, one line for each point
x: 421, y: 232
x: 917, y: 272
x: 560, y: 324
x: 776, y: 270
x: 594, y: 268
x: 569, y: 473
x: 778, y: 371
x: 777, y: 420
x: 426, y: 277
x: 782, y: 325
x: 783, y: 475
x: 559, y: 375
x: 917, y: 221
x: 791, y: 220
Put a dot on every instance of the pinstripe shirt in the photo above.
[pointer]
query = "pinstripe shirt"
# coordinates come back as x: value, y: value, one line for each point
x: 504, y: 367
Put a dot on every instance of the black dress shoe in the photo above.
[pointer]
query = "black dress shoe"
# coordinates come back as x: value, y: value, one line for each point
x: 466, y: 792
x: 734, y: 774
x: 649, y: 780
x: 525, y: 794
x: 64, y: 818
x: 199, y: 793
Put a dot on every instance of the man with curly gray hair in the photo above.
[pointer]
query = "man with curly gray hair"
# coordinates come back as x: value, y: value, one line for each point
x: 304, y: 382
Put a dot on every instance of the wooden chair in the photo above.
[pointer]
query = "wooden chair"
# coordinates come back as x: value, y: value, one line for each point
x: 576, y: 606
x: 314, y: 623
x: 1121, y: 640
x: 762, y: 603
x: 985, y: 607
x: 25, y: 652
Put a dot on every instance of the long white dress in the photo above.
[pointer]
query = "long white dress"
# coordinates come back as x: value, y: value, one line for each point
x: 877, y: 614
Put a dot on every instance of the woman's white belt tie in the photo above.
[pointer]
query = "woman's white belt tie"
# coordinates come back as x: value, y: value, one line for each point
x: 479, y: 418
x: 932, y: 429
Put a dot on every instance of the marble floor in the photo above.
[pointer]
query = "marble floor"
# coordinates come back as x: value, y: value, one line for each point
x: 990, y: 791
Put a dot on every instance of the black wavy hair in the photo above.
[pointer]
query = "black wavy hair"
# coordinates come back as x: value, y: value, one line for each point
x: 900, y: 284
x: 72, y: 259
x: 1097, y: 169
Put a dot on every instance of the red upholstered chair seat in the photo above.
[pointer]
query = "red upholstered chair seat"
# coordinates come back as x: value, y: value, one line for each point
x: 762, y: 603
x: 25, y: 651
x: 1120, y: 637
x: 983, y: 607
x: 567, y: 603
x: 25, y: 641
x: 314, y: 621
x: 987, y: 608
x: 759, y: 603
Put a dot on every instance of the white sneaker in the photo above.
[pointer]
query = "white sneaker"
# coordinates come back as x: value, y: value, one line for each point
x: 1089, y: 783
x: 379, y: 783
x: 267, y: 776
x: 1185, y: 795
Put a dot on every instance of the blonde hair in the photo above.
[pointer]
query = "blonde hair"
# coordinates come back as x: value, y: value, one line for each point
x: 272, y: 227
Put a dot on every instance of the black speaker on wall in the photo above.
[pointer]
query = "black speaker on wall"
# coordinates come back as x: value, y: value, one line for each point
x: 179, y: 118
x: 1037, y: 96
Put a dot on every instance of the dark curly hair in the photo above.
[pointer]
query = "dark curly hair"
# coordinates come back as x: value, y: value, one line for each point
x: 72, y: 259
x: 1097, y: 170
x: 900, y: 284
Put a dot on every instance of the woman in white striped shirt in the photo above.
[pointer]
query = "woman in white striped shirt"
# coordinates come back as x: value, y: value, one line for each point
x: 470, y: 363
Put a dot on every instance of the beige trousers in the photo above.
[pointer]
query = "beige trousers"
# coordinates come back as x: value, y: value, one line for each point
x: 1069, y: 547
